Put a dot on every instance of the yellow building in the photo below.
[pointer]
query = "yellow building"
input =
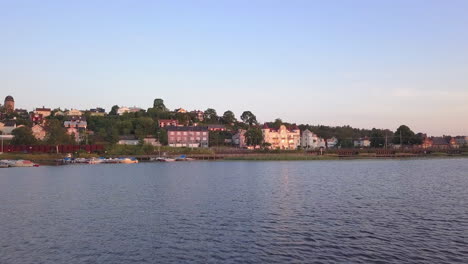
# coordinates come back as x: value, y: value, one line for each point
x: 282, y: 138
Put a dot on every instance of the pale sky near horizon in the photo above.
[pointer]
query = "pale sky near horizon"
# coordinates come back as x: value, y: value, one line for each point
x: 344, y: 62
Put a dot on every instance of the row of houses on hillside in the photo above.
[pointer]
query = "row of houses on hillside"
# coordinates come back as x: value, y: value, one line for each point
x: 445, y: 143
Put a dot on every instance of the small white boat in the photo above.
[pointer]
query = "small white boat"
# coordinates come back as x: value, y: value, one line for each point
x: 163, y: 159
x: 23, y: 163
x: 128, y: 160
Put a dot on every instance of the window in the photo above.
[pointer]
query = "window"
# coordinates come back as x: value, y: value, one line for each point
x: 178, y: 132
x: 198, y: 133
x: 185, y: 133
x: 204, y: 133
x: 204, y: 138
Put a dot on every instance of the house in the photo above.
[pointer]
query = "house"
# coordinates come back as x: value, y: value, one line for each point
x: 23, y: 113
x: 151, y: 140
x: 168, y: 122
x: 190, y: 136
x: 454, y: 144
x: 73, y: 112
x: 128, y: 140
x: 59, y: 113
x: 282, y: 138
x: 45, y: 112
x: 217, y: 128
x: 461, y: 141
x: 238, y: 139
x: 36, y: 118
x: 440, y: 143
x: 362, y: 142
x: 8, y: 127
x: 122, y: 110
x: 309, y: 140
x: 38, y: 132
x: 97, y: 111
x: 427, y: 143
x: 76, y: 123
x: 332, y: 142
x: 181, y: 110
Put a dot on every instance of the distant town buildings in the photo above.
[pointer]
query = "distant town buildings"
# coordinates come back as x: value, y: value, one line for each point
x: 192, y: 137
x: 97, y: 111
x: 168, y: 122
x: 238, y: 139
x: 282, y: 138
x: 122, y: 110
x: 73, y: 112
x: 217, y: 128
x: 45, y: 112
x: 362, y: 142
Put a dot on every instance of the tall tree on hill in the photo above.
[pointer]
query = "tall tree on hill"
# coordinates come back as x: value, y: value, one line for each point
x: 229, y: 118
x: 158, y: 104
x: 23, y: 136
x: 114, y: 110
x: 56, y: 133
x: 249, y: 118
x: 254, y: 136
x: 377, y: 138
x: 210, y: 115
x: 404, y: 135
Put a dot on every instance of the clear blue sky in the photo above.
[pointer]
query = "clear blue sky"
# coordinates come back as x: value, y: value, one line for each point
x: 363, y: 63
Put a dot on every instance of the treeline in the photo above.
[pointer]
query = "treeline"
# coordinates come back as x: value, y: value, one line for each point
x: 109, y: 128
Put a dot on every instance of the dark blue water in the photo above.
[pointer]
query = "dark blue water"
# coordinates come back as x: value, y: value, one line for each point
x: 373, y: 211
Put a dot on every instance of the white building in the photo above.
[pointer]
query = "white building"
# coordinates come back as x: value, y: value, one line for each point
x: 309, y: 140
x: 362, y: 143
x: 122, y: 110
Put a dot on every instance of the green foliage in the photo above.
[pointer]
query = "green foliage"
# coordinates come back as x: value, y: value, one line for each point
x: 229, y: 118
x: 377, y: 138
x: 158, y: 105
x: 56, y: 133
x: 23, y: 136
x: 249, y: 118
x: 210, y: 116
x: 408, y: 137
x: 254, y: 136
x: 114, y: 110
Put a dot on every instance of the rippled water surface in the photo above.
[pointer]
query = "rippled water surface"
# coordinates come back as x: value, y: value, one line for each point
x: 373, y: 211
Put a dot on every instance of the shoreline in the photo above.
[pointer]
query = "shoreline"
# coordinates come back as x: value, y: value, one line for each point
x: 54, y: 159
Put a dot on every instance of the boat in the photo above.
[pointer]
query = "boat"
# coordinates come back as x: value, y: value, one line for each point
x: 128, y: 160
x: 4, y: 165
x: 23, y: 163
x: 183, y: 158
x: 164, y: 159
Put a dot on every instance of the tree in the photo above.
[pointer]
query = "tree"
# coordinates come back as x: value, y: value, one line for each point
x: 23, y: 136
x: 377, y: 138
x: 56, y: 133
x: 278, y: 122
x: 210, y: 115
x: 249, y: 118
x: 158, y: 104
x: 405, y: 134
x: 229, y: 118
x: 114, y: 110
x: 254, y: 136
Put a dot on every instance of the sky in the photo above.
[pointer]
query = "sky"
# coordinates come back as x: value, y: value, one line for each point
x: 363, y: 63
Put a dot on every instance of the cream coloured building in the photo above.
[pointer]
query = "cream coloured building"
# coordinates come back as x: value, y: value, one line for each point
x: 282, y: 138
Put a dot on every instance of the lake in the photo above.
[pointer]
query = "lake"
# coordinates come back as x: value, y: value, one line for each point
x: 358, y: 211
